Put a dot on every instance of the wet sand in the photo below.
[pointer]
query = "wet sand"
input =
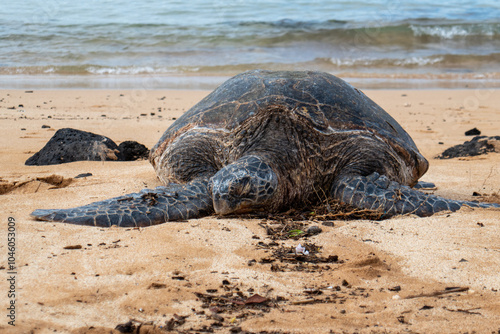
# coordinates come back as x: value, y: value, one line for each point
x: 153, y: 274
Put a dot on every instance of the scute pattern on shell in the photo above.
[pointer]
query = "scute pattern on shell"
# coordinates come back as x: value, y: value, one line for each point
x: 329, y: 103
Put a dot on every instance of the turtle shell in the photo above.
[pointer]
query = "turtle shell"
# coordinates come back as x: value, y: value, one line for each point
x: 329, y: 103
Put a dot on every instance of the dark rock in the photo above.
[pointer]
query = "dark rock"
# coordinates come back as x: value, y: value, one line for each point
x: 132, y: 150
x: 128, y: 327
x: 477, y: 146
x: 45, y: 126
x: 73, y: 247
x: 69, y: 145
x: 473, y: 132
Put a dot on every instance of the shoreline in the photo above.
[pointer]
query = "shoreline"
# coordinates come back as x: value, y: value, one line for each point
x: 209, y: 81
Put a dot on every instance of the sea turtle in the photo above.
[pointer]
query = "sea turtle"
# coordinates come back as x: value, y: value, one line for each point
x: 267, y: 140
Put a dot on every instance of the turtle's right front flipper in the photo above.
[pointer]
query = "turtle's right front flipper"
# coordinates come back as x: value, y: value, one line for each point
x: 146, y: 208
x: 378, y: 193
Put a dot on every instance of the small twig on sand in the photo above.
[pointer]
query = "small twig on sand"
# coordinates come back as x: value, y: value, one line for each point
x: 305, y: 301
x: 439, y: 293
x: 468, y: 311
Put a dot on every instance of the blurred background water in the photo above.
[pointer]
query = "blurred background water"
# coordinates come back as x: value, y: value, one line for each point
x: 120, y: 41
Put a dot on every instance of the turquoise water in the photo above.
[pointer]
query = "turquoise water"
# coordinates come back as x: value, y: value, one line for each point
x: 220, y: 38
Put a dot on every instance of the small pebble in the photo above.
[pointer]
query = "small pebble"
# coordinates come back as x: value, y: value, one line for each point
x: 473, y: 132
x: 312, y: 230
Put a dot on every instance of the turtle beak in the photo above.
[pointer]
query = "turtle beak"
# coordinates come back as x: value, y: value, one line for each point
x: 224, y: 205
x: 221, y: 206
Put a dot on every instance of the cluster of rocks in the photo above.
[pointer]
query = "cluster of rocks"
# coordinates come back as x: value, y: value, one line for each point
x: 476, y: 146
x: 68, y: 145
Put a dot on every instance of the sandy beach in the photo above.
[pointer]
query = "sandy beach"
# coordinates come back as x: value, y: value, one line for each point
x: 391, y: 276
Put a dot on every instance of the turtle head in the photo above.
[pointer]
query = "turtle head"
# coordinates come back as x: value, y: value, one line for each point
x: 249, y: 184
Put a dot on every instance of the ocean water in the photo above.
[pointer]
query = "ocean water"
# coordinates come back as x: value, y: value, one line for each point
x: 203, y: 38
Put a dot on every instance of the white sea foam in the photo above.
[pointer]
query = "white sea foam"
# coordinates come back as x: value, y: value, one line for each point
x: 452, y: 31
x: 128, y: 70
x: 420, y: 61
x: 356, y: 62
x: 350, y: 62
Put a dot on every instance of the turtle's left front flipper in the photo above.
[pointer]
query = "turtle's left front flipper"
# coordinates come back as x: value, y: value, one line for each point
x: 378, y: 193
x: 146, y: 208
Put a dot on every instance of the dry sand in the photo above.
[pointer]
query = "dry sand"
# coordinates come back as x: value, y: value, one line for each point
x: 109, y: 280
